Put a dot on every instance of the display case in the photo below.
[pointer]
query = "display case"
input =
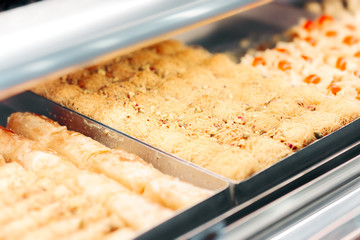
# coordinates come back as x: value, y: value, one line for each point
x: 289, y: 199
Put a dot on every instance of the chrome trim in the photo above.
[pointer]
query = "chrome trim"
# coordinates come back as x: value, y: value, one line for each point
x: 45, y: 37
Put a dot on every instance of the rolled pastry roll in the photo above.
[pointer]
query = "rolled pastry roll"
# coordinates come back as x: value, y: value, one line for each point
x: 132, y: 172
x: 98, y: 230
x: 33, y: 203
x: 134, y: 210
x: 2, y: 160
x: 32, y: 220
x: 55, y: 229
x: 70, y: 222
x: 27, y: 191
x: 13, y: 176
x: 124, y: 233
x: 126, y: 168
x: 75, y: 146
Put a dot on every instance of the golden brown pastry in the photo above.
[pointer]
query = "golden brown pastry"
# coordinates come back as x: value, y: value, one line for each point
x: 128, y: 169
x: 135, y: 211
x: 233, y: 119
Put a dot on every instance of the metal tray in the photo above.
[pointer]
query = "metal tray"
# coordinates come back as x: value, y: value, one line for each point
x: 263, y: 25
x: 259, y: 25
x: 184, y: 220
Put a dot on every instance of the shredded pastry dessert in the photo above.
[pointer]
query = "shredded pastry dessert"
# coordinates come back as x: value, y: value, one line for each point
x: 333, y: 7
x: 203, y: 107
x: 324, y: 53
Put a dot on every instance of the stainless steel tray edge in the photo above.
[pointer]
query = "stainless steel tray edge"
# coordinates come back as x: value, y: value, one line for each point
x: 314, y: 155
x: 221, y: 225
x: 186, y: 219
x: 295, y: 203
x: 51, y: 36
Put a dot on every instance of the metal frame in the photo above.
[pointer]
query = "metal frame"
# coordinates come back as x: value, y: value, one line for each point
x: 279, y: 216
x: 45, y: 37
